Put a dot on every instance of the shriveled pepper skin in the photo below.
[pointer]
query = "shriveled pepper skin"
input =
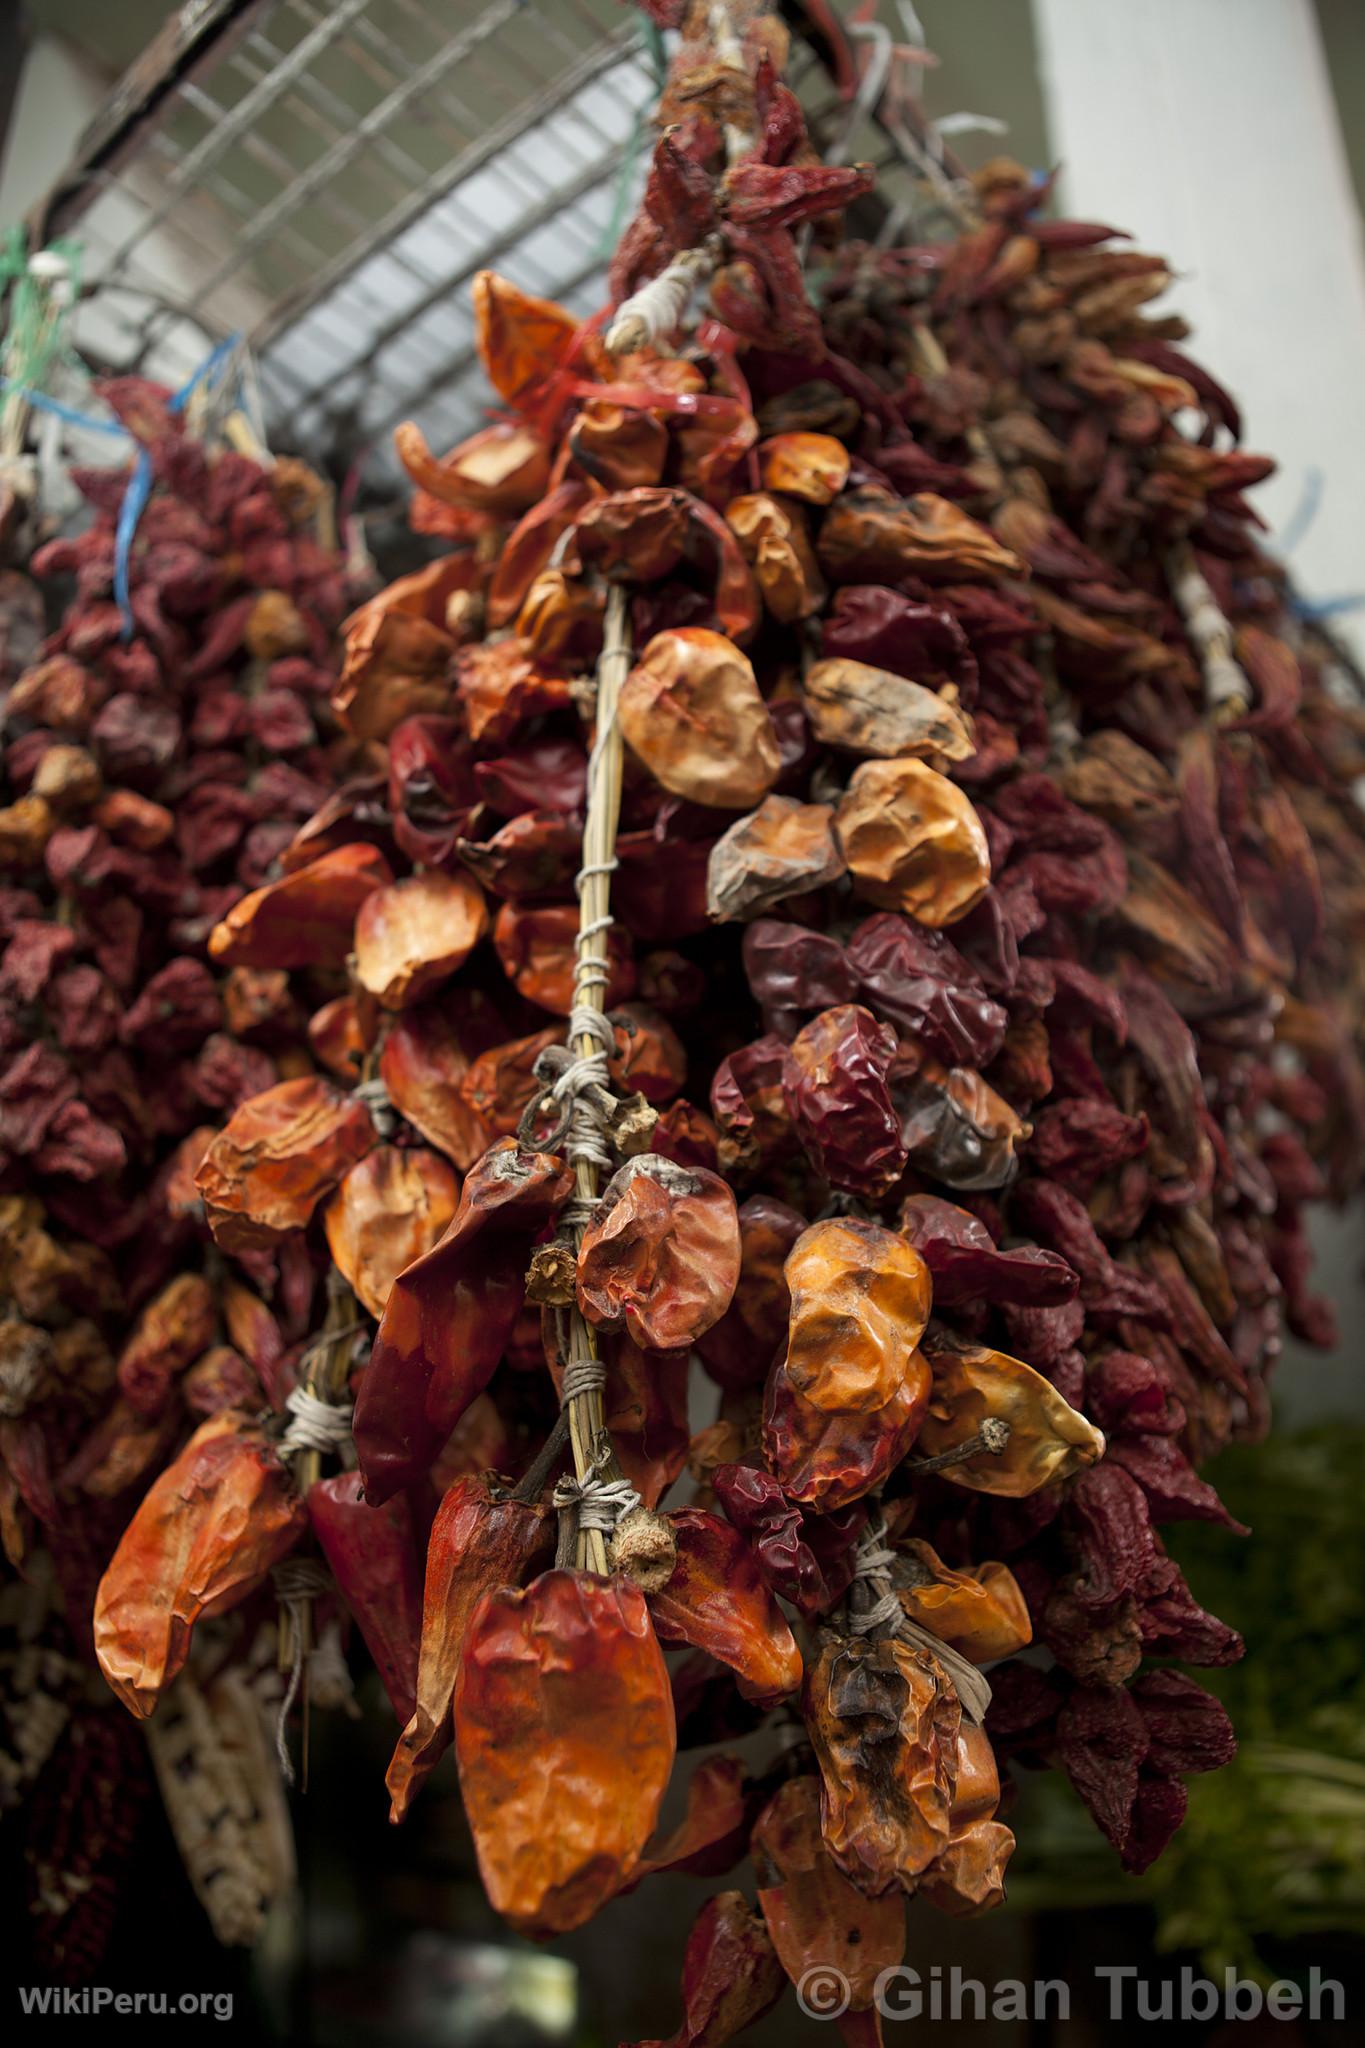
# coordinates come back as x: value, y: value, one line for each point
x: 564, y: 1735
x: 814, y: 1915
x: 477, y: 1541
x: 730, y: 1975
x: 372, y: 1554
x: 1048, y: 1441
x: 860, y: 1299
x: 717, y: 1601
x: 204, y: 1537
x: 883, y: 1720
x: 662, y: 1255
x: 449, y: 1316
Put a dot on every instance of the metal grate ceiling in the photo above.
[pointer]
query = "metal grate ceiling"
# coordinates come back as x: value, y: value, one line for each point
x: 327, y: 178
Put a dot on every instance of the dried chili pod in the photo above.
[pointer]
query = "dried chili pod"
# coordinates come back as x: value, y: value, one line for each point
x: 791, y: 968
x: 564, y: 1735
x: 390, y: 1209
x: 691, y: 710
x: 423, y: 1060
x: 810, y: 466
x: 917, y: 981
x: 730, y: 1975
x: 169, y: 1334
x: 662, y: 1254
x: 860, y: 1299
x: 534, y: 854
x: 968, y: 1876
x: 777, y: 546
x: 954, y: 1125
x: 618, y: 446
x: 479, y: 1540
x: 500, y: 688
x: 972, y: 1385
x: 413, y: 934
x: 717, y: 1602
x: 979, y: 1611
x: 784, y: 848
x: 968, y: 1265
x: 873, y: 711
x: 307, y: 919
x: 913, y: 841
x: 813, y: 1914
x: 738, y: 1349
x: 373, y: 1556
x: 497, y: 1087
x: 883, y: 1720
x: 807, y: 1559
x: 826, y: 1458
x: 503, y: 468
x: 276, y: 1157
x: 449, y: 1316
x: 713, y: 1833
x: 536, y: 945
x: 749, y: 1103
x: 834, y: 1079
x: 397, y: 666
x: 202, y: 1538
x: 521, y: 339
x: 870, y: 536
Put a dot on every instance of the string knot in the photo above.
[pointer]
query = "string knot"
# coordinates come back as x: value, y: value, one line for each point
x: 315, y: 1424
x: 600, y: 1503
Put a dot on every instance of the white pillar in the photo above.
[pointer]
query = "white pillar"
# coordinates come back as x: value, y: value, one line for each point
x: 1208, y: 129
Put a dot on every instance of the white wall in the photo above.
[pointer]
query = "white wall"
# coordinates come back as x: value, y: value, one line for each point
x: 1208, y: 128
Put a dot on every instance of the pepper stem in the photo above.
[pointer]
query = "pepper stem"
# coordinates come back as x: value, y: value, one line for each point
x: 992, y: 1437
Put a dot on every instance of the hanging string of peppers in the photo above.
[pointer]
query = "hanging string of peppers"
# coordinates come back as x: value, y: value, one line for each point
x: 795, y: 889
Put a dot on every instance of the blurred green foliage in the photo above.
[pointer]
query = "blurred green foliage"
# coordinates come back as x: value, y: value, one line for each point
x: 1274, y: 1845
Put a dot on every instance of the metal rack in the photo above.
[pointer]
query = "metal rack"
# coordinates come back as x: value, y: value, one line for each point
x: 327, y: 178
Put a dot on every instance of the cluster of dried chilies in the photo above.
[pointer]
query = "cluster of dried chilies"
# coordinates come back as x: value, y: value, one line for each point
x: 970, y: 1022
x: 151, y: 775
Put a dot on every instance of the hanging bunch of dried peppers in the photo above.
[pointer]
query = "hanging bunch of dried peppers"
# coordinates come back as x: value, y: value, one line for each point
x: 857, y: 894
x: 162, y: 748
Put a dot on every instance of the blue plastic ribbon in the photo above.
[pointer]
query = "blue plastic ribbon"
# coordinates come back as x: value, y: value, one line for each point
x: 40, y: 402
x: 140, y: 486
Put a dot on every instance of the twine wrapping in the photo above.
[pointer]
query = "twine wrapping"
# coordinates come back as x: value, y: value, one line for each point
x: 297, y: 1583
x: 656, y: 310
x: 315, y: 1424
x: 878, y: 1611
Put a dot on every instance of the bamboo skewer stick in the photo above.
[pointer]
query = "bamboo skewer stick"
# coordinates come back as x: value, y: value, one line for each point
x: 592, y: 1453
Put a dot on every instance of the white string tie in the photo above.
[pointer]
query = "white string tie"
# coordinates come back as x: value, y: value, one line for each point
x: 600, y: 1503
x: 315, y: 1425
x: 656, y: 310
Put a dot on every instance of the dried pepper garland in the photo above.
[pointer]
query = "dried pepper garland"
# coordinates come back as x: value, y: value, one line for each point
x: 941, y: 1046
x: 161, y: 747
